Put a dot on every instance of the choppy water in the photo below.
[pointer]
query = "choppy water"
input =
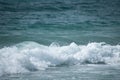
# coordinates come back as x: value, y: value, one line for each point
x: 59, y: 39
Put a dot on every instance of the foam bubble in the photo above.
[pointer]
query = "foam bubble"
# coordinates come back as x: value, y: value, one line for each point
x: 31, y: 56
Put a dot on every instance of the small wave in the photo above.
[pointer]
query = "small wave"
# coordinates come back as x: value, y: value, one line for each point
x: 32, y: 56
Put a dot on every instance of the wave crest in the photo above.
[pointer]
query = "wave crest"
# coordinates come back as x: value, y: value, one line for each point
x: 31, y: 56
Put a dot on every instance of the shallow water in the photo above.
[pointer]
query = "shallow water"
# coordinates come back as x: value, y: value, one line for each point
x: 77, y: 72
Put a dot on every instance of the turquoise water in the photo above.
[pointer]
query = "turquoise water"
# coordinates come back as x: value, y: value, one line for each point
x: 60, y: 39
x: 65, y: 21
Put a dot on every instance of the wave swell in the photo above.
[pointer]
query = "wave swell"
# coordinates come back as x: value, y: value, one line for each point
x: 32, y: 56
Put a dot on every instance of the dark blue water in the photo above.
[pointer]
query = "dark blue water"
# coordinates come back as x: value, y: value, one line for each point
x: 87, y: 23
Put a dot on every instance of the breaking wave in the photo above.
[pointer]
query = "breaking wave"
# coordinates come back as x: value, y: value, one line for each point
x: 32, y: 56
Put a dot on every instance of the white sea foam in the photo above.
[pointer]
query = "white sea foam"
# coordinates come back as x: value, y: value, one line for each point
x: 31, y: 56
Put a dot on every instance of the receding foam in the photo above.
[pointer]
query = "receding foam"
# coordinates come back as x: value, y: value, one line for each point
x: 31, y: 56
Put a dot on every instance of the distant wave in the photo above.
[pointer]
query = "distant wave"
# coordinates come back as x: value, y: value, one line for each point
x: 32, y: 56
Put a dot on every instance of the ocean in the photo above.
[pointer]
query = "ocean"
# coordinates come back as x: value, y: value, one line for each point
x: 59, y: 39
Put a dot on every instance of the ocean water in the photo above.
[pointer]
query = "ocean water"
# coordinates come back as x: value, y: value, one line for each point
x: 59, y: 39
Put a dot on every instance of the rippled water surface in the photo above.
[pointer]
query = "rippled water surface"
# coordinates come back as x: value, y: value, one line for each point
x: 62, y: 21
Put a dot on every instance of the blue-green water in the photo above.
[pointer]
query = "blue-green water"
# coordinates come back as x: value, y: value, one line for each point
x: 62, y: 21
x: 59, y: 37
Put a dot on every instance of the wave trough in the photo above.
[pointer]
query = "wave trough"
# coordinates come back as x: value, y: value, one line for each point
x: 32, y: 56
